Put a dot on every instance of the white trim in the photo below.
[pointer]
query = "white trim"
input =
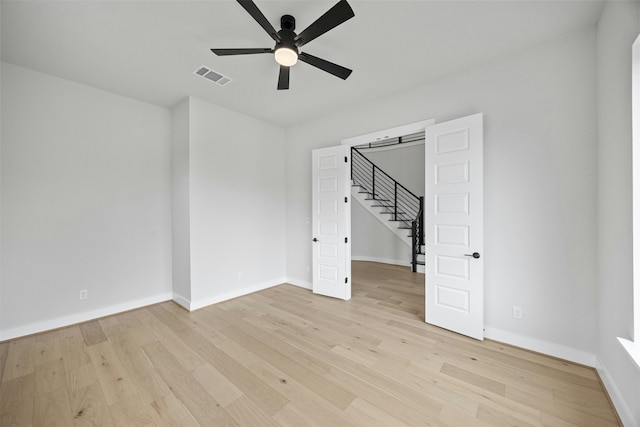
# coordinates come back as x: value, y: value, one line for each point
x: 402, y: 263
x: 633, y: 350
x: 388, y: 133
x: 632, y: 347
x: 181, y: 301
x: 552, y: 349
x: 61, y: 322
x: 635, y: 98
x: 299, y: 283
x: 204, y: 302
x: 625, y: 414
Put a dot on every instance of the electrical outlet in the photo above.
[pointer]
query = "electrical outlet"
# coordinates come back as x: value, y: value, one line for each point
x: 517, y: 312
x: 84, y: 294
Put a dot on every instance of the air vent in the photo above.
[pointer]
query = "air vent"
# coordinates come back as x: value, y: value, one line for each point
x: 214, y: 76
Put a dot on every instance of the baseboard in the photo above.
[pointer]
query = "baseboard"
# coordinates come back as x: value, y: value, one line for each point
x: 299, y: 283
x: 204, y: 302
x: 61, y: 322
x: 552, y: 349
x: 403, y: 263
x: 625, y: 414
x: 182, y: 301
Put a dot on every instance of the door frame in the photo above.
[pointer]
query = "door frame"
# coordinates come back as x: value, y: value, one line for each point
x: 386, y: 134
x: 379, y: 136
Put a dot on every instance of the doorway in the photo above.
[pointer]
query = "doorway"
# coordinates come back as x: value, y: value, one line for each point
x: 454, y: 293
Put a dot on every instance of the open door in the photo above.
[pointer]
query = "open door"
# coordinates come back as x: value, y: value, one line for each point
x: 331, y: 220
x: 454, y: 226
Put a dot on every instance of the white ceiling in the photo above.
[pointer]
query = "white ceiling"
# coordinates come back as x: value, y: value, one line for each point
x: 148, y: 50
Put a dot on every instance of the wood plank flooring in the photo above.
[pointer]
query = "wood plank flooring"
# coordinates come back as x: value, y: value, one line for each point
x: 286, y: 357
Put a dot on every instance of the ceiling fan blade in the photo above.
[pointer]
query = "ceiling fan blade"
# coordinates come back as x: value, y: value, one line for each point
x: 283, y: 80
x: 224, y: 52
x: 253, y: 10
x: 325, y: 65
x: 335, y: 16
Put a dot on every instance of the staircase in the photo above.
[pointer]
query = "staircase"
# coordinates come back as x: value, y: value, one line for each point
x: 398, y: 208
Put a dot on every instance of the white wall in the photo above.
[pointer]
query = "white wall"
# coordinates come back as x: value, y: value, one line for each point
x: 540, y: 178
x: 618, y: 28
x: 85, y: 202
x: 236, y: 203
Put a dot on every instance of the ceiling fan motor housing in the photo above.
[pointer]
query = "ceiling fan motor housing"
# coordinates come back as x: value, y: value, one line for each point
x: 288, y: 22
x: 287, y: 33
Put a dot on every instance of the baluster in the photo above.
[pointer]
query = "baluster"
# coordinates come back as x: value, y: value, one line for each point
x: 414, y: 249
x: 352, y: 158
x: 395, y: 200
x: 421, y: 222
x: 373, y: 180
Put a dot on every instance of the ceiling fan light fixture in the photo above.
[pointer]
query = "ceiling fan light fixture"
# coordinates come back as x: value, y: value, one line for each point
x: 288, y: 42
x: 286, y: 56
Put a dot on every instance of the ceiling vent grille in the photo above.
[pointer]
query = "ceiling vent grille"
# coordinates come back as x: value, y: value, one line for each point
x: 214, y: 76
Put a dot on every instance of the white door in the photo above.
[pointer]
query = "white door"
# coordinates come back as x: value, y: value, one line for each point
x: 454, y: 229
x: 331, y: 238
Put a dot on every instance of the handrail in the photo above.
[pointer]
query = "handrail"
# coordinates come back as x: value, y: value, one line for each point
x: 354, y: 149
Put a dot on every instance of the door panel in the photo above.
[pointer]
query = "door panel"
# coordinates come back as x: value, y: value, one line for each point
x: 331, y: 222
x: 454, y: 226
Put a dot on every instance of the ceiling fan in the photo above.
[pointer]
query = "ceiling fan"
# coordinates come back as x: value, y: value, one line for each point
x: 286, y: 50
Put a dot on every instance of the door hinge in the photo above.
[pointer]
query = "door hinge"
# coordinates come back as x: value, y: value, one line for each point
x: 346, y: 240
x: 346, y: 280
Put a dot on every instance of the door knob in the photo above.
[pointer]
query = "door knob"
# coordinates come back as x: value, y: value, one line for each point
x: 476, y: 255
x: 315, y: 240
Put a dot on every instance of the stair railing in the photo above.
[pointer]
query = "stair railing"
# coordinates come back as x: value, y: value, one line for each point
x: 397, y: 201
x: 417, y: 237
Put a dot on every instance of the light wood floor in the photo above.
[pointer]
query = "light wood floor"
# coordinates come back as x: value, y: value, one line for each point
x: 285, y: 357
